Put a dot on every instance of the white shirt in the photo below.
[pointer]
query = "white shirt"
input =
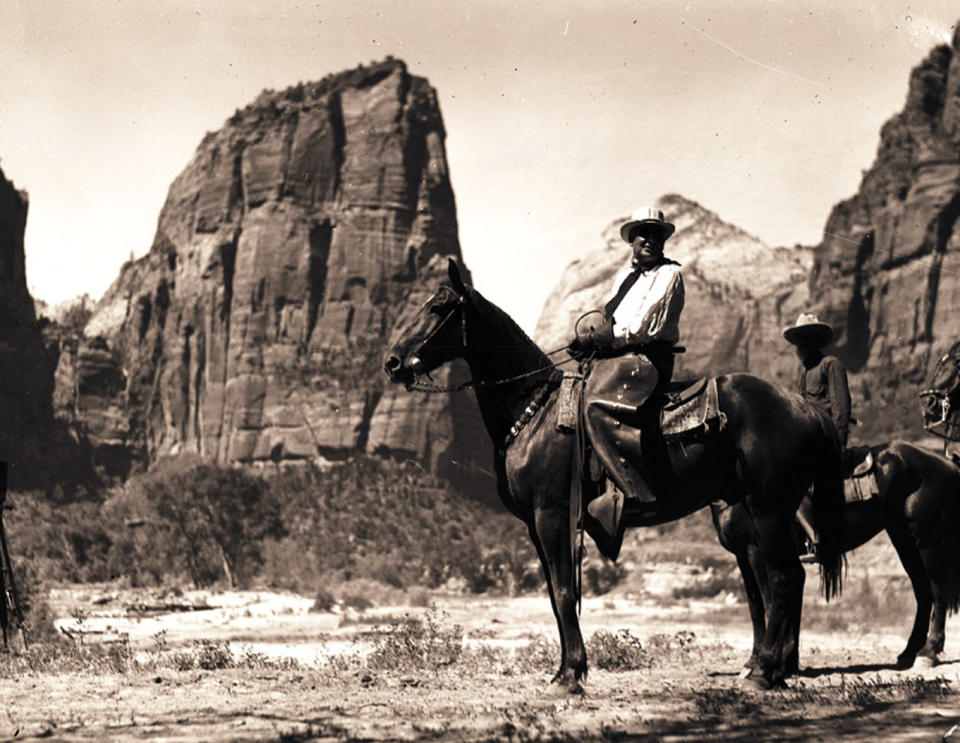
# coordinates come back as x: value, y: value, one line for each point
x: 651, y: 309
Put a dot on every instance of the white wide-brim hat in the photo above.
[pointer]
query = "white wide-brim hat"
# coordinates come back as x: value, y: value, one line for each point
x: 646, y: 215
x: 809, y: 324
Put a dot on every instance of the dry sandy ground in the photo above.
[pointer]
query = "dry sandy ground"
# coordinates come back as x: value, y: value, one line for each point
x: 846, y: 691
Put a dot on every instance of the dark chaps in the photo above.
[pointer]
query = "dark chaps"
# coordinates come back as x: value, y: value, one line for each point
x: 622, y: 401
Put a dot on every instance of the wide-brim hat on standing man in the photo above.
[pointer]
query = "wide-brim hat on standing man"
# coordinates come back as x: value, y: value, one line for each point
x: 647, y: 216
x: 809, y: 325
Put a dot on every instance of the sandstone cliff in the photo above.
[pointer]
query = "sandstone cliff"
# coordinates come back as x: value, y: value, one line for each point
x: 739, y: 292
x: 887, y: 273
x: 254, y: 329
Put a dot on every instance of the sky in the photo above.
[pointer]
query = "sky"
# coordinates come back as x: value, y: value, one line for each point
x: 561, y: 116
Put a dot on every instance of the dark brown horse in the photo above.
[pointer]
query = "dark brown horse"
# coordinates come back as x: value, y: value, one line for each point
x: 919, y: 507
x: 771, y: 450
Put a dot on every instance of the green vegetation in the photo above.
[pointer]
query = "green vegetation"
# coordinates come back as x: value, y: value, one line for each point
x: 346, y: 534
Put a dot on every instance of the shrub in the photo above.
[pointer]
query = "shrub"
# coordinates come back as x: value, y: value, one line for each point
x: 602, y: 576
x: 323, y: 600
x: 417, y: 644
x: 617, y: 651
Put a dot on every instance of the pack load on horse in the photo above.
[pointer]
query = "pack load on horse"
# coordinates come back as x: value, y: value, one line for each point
x: 770, y: 449
x: 940, y: 398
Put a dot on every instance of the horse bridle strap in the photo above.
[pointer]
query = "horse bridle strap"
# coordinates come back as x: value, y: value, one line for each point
x: 416, y: 386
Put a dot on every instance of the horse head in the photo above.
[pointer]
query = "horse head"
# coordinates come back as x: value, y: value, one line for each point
x: 436, y: 334
x: 940, y: 399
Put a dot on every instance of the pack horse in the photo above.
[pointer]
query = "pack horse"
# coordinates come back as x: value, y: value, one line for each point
x: 772, y: 449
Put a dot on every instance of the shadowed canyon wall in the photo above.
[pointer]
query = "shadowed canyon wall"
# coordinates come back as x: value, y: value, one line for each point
x: 26, y: 379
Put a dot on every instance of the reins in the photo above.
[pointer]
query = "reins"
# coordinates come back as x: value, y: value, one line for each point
x: 417, y: 386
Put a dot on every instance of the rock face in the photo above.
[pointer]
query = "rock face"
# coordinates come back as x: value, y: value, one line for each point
x: 739, y: 292
x: 26, y: 372
x: 255, y: 328
x: 887, y: 274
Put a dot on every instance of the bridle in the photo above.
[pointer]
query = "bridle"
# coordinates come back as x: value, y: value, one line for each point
x: 932, y: 396
x: 461, y: 305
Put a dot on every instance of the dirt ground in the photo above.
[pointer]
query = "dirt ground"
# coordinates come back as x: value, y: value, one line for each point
x: 847, y: 689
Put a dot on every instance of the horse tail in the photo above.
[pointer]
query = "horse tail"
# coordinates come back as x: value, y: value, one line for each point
x: 828, y: 512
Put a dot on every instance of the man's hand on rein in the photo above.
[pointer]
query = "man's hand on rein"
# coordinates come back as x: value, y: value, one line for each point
x: 595, y: 339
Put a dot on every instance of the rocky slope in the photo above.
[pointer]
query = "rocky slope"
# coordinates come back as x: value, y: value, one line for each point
x: 887, y: 273
x: 254, y: 329
x: 739, y: 292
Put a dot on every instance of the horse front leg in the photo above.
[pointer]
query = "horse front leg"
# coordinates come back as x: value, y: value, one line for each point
x: 551, y: 535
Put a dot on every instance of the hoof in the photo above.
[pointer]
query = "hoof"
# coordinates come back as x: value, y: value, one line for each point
x: 924, y: 661
x: 758, y: 682
x: 562, y: 690
x: 569, y: 680
x: 905, y: 661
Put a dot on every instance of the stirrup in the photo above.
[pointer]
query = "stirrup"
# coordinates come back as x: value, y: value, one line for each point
x: 810, y: 556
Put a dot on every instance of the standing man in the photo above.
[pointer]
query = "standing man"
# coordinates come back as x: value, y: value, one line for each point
x: 822, y: 380
x: 635, y: 343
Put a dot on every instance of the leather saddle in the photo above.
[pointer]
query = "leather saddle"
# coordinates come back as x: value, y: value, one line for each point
x: 860, y: 482
x: 691, y: 410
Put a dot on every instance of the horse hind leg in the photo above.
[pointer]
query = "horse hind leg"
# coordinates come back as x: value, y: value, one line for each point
x: 911, y: 559
x: 778, y: 650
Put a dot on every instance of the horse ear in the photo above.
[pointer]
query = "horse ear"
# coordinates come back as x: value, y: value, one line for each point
x: 453, y: 271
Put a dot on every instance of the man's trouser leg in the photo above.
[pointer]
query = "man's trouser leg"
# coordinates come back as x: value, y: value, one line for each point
x: 615, y: 391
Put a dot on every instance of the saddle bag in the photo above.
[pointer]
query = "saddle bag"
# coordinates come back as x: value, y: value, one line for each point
x: 569, y: 400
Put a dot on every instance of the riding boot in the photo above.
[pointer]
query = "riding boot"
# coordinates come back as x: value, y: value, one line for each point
x: 607, y: 508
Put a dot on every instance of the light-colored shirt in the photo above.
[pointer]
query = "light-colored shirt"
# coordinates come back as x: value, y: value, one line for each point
x: 650, y: 311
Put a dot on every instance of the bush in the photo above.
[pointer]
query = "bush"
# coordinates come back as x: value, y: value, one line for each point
x: 416, y: 644
x: 617, y: 651
x: 323, y: 600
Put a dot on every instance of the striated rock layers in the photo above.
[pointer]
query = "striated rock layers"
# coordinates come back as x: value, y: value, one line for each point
x: 887, y: 274
x: 26, y: 379
x: 255, y: 328
x: 740, y: 293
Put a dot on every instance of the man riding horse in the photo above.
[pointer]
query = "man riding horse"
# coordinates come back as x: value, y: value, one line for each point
x: 637, y: 339
x: 821, y: 380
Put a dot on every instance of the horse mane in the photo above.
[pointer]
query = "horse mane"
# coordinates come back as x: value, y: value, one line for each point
x: 509, y: 327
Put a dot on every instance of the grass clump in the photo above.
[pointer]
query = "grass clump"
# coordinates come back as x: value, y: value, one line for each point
x: 417, y: 644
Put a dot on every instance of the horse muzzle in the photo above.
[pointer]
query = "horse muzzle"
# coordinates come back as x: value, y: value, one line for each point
x: 400, y: 373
